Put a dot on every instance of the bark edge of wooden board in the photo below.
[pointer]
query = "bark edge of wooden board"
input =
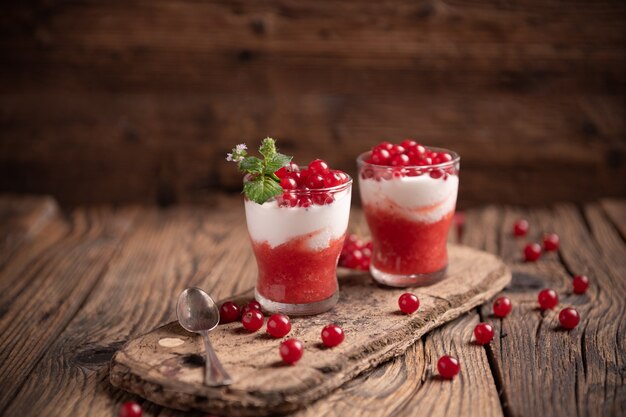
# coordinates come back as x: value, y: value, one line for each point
x: 170, y: 374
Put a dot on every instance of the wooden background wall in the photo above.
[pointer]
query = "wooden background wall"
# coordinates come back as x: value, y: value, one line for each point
x: 137, y: 101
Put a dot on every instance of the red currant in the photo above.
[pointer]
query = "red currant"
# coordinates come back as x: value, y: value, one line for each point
x: 290, y: 167
x: 409, y: 303
x: 332, y: 335
x: 399, y: 160
x: 229, y: 312
x: 291, y: 351
x: 353, y: 259
x: 397, y: 149
x: 502, y: 307
x: 323, y: 198
x: 551, y: 241
x: 278, y: 326
x: 288, y: 183
x: 252, y: 320
x: 569, y: 318
x: 254, y: 304
x: 483, y: 333
x: 315, y: 181
x: 520, y: 228
x: 288, y: 200
x: 130, y: 409
x: 581, y: 283
x: 408, y: 143
x: 384, y: 145
x: 532, y: 252
x: 436, y: 173
x: 448, y: 367
x: 380, y: 157
x: 318, y: 166
x: 332, y: 179
x: 548, y: 299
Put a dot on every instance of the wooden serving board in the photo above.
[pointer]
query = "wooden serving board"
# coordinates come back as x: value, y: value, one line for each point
x: 165, y: 366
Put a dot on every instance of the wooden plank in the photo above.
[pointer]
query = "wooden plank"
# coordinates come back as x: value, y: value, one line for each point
x: 616, y: 210
x: 132, y: 134
x: 165, y: 252
x: 21, y: 219
x: 46, y: 283
x: 538, y: 364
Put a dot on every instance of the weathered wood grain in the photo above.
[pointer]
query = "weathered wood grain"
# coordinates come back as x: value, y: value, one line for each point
x: 530, y: 94
x: 21, y: 219
x: 164, y: 252
x: 538, y: 364
x: 263, y: 386
x: 616, y: 211
x: 44, y: 285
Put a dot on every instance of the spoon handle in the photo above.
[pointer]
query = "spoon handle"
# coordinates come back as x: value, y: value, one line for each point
x: 215, y: 374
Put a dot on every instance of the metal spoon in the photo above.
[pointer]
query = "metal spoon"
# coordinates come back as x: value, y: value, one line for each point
x: 198, y: 313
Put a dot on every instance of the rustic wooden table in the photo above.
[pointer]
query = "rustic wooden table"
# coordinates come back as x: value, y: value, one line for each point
x: 75, y: 286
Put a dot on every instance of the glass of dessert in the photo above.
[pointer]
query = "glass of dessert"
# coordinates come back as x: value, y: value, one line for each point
x: 409, y: 196
x: 297, y: 230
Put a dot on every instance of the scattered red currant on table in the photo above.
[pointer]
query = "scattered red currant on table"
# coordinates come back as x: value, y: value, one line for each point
x: 278, y: 326
x: 569, y: 318
x: 483, y: 333
x: 229, y: 312
x: 520, y: 228
x: 548, y: 299
x: 532, y: 252
x: 408, y: 303
x: 332, y: 335
x: 502, y: 307
x: 551, y: 242
x: 291, y: 351
x: 448, y: 367
x: 130, y: 409
x: 252, y: 320
x: 580, y: 283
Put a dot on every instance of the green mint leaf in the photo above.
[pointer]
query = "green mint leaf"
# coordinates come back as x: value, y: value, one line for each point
x: 262, y: 189
x: 251, y: 164
x: 268, y: 148
x: 276, y: 162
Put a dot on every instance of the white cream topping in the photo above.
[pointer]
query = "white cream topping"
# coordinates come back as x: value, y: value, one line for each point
x: 276, y: 225
x: 421, y: 198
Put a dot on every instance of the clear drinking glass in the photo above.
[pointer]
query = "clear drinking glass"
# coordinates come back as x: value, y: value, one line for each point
x: 297, y: 239
x: 409, y: 210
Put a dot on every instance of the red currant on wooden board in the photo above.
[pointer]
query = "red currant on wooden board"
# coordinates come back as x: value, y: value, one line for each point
x: 551, y: 242
x: 580, y: 283
x: 332, y: 335
x: 252, y: 320
x: 408, y: 303
x: 291, y: 351
x: 502, y: 306
x: 229, y: 312
x: 483, y: 333
x: 569, y: 318
x: 448, y: 367
x: 532, y: 252
x: 548, y: 299
x: 130, y: 409
x: 520, y: 228
x: 278, y: 326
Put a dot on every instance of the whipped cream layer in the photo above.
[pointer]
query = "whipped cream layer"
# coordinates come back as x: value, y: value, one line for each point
x: 276, y: 225
x: 422, y: 198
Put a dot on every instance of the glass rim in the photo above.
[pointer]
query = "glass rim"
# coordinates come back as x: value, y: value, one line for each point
x: 361, y: 160
x: 298, y: 191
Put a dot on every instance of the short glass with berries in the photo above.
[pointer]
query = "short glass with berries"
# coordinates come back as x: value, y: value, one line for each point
x: 409, y: 194
x: 297, y: 238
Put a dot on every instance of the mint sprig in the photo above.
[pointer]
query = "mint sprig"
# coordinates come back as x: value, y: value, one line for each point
x: 261, y: 184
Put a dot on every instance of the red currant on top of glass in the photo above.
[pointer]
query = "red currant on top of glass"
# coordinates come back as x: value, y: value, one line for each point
x: 406, y: 157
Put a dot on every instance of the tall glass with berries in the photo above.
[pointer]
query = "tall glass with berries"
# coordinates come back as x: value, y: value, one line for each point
x: 409, y: 196
x: 297, y: 232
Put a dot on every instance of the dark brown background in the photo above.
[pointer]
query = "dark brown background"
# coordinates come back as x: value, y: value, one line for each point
x: 118, y: 101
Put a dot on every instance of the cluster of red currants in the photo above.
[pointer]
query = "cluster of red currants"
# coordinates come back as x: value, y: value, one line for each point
x: 533, y: 250
x: 308, y: 186
x: 278, y: 326
x: 356, y: 253
x: 411, y: 154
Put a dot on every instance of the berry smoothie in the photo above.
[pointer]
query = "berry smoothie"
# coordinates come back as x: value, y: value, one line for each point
x: 297, y: 238
x: 409, y: 196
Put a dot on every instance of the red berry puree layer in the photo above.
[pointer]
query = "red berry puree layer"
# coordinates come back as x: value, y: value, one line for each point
x: 296, y: 274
